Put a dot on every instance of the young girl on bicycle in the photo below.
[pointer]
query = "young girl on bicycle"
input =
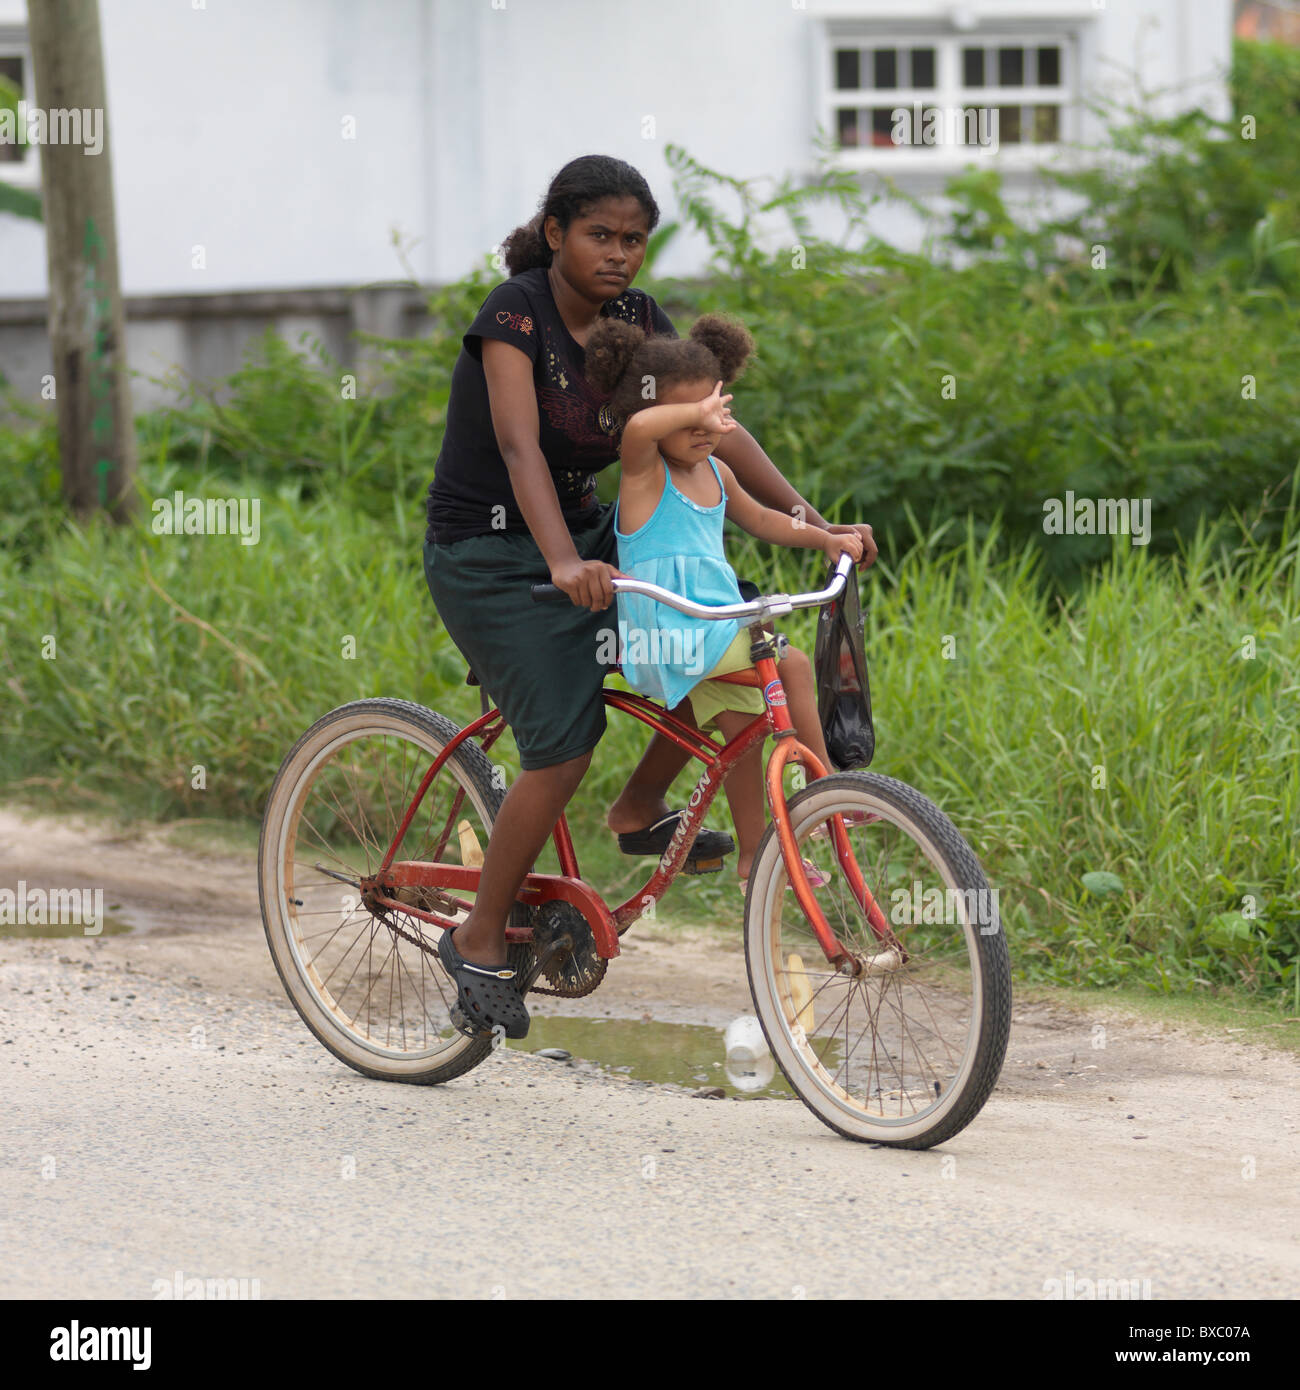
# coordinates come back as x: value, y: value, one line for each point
x: 673, y: 495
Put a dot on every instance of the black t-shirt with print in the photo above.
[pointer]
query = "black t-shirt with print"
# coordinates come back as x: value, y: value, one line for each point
x: 575, y: 429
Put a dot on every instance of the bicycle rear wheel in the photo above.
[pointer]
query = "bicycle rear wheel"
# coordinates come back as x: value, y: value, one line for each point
x: 370, y: 986
x: 906, y: 1052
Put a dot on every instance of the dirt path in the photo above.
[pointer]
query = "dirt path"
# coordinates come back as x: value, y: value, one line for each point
x: 166, y: 1113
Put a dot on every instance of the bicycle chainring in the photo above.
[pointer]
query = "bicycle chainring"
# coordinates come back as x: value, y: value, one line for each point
x: 573, y: 972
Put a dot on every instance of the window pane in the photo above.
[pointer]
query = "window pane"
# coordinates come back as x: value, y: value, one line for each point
x: 11, y: 67
x: 885, y: 68
x: 972, y: 67
x: 847, y: 122
x: 882, y: 128
x: 1011, y: 67
x: 1049, y: 67
x: 973, y: 125
x: 923, y: 67
x: 913, y: 127
x: 1009, y: 125
x: 1047, y: 125
x: 846, y: 69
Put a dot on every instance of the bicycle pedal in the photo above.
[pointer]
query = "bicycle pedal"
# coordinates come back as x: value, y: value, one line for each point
x: 702, y: 866
x: 464, y: 1027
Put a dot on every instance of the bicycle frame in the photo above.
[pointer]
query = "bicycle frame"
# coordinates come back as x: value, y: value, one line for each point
x: 567, y: 886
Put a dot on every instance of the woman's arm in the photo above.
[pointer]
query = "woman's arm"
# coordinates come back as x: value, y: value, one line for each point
x: 757, y: 474
x: 512, y: 398
x: 760, y: 477
x: 780, y: 528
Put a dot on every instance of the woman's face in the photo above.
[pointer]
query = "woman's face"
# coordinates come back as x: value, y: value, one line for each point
x: 602, y: 250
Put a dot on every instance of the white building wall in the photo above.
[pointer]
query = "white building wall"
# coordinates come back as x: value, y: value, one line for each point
x: 227, y: 120
x: 226, y: 129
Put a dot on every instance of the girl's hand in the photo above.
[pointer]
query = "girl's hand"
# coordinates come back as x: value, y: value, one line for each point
x: 864, y: 534
x: 587, y: 582
x: 846, y: 543
x: 714, y: 415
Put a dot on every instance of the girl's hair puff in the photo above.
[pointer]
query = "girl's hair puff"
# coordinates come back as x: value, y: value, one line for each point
x: 623, y: 361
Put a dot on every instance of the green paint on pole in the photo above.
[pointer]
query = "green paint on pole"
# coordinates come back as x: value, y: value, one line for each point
x: 93, y: 245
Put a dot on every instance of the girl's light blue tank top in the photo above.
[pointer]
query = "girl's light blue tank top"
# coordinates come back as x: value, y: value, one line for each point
x: 665, y: 654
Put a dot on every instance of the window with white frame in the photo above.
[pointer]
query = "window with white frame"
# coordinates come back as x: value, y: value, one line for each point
x: 948, y: 92
x: 15, y: 86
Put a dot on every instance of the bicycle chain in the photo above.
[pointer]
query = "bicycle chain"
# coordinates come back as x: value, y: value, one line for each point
x: 419, y: 941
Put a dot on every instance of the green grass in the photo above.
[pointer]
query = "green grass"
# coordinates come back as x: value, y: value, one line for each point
x: 1121, y: 730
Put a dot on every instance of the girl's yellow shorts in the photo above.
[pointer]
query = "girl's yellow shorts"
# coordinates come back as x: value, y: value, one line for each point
x: 712, y: 696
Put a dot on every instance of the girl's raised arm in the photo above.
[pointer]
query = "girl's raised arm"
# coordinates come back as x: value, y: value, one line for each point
x: 646, y: 428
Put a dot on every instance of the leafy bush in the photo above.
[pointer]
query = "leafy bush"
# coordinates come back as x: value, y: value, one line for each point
x: 886, y: 381
x: 1186, y: 197
x: 981, y: 380
x: 291, y: 416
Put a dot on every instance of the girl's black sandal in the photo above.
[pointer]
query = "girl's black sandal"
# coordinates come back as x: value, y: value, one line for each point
x: 654, y: 839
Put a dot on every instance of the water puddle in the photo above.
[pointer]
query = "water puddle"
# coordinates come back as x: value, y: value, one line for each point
x: 682, y: 1054
x: 109, y: 925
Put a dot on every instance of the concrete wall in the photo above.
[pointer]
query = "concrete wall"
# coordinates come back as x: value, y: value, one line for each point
x: 205, y: 337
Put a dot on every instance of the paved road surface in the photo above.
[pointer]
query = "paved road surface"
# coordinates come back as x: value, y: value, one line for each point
x: 166, y: 1114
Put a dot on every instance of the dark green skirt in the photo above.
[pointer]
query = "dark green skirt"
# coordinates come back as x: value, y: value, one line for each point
x: 539, y: 662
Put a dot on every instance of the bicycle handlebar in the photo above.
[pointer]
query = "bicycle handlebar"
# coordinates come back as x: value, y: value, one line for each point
x: 756, y: 610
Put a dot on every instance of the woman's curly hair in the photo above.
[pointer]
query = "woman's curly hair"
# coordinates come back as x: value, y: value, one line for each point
x: 637, y: 369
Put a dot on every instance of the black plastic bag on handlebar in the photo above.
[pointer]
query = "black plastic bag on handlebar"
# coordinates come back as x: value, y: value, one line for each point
x: 843, y: 693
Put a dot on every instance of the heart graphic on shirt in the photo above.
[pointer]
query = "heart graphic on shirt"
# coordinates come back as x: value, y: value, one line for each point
x: 502, y: 316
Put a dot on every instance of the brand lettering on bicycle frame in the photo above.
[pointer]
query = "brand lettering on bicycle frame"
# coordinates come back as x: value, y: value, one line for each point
x: 680, y: 833
x: 774, y: 693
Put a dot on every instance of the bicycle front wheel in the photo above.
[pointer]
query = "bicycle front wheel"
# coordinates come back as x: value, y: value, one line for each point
x: 905, y: 1052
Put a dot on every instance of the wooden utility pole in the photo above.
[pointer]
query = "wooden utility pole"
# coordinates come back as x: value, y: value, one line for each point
x: 87, y: 325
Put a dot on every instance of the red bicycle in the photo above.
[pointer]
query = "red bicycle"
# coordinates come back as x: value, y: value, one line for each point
x: 884, y: 992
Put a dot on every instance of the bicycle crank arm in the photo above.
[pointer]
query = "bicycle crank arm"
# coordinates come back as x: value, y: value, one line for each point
x: 562, y: 943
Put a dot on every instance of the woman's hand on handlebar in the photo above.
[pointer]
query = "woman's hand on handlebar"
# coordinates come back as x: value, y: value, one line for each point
x: 587, y: 582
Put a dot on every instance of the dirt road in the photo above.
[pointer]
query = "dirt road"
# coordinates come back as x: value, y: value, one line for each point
x: 167, y: 1118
